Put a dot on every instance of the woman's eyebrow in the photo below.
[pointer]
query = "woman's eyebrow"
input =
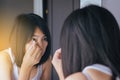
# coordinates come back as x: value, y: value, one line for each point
x: 38, y: 35
x: 35, y: 36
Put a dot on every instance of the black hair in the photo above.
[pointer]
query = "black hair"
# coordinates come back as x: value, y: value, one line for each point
x: 23, y: 31
x: 90, y: 35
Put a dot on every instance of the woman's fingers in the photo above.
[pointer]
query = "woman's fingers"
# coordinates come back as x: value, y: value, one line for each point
x: 57, y: 58
x: 34, y: 53
x: 38, y: 53
x: 57, y: 63
x: 31, y: 48
x: 57, y: 54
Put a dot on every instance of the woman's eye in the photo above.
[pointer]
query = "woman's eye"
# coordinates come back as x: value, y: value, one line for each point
x: 45, y: 38
x: 33, y: 39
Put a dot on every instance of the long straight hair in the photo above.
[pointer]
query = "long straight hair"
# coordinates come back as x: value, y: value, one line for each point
x: 22, y: 32
x: 90, y: 35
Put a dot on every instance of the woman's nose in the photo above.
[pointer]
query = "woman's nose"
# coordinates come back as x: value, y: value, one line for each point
x: 40, y: 44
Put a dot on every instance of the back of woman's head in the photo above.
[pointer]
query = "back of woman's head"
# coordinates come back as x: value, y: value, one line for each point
x: 90, y: 35
x: 22, y: 32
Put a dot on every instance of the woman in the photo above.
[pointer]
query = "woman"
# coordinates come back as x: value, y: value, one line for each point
x: 28, y: 57
x: 90, y: 46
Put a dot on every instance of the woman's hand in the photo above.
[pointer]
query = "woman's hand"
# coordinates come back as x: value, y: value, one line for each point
x: 57, y: 63
x: 32, y: 55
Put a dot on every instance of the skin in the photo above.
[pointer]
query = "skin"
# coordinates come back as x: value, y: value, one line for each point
x: 57, y: 63
x: 34, y: 50
x: 94, y: 74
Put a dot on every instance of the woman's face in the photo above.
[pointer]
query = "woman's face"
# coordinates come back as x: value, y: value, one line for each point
x: 40, y: 39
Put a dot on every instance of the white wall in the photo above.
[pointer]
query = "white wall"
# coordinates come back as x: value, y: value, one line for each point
x: 9, y: 9
x: 114, y: 7
x: 38, y: 7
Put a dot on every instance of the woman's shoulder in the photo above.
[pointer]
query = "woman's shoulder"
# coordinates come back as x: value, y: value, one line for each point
x: 97, y: 75
x: 4, y: 54
x: 96, y: 71
x: 93, y: 72
x: 93, y: 75
x: 5, y: 58
x: 76, y: 76
x: 5, y: 65
x: 4, y: 50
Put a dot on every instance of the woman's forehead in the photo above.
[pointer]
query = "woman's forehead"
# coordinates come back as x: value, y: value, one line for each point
x: 38, y: 32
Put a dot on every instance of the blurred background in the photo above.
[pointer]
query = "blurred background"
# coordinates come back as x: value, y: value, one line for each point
x: 53, y: 11
x: 9, y: 9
